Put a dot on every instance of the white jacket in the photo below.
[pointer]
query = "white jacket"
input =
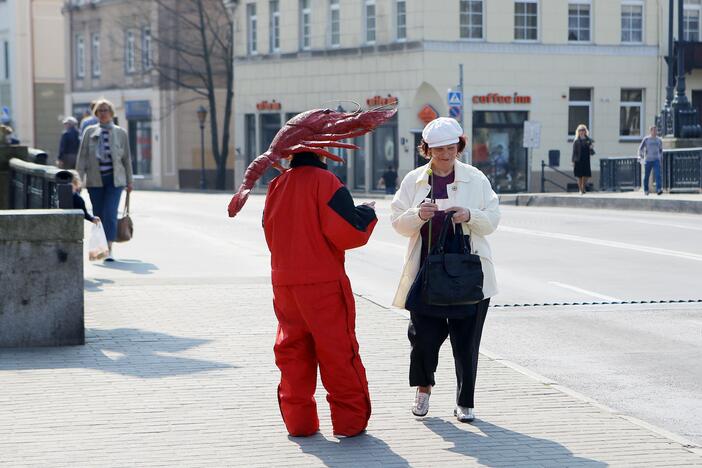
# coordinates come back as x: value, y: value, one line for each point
x: 471, y: 190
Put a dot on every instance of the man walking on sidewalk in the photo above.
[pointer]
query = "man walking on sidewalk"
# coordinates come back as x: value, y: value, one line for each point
x: 651, y: 151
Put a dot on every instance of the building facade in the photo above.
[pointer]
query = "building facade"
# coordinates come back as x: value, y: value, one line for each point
x: 115, y: 53
x: 553, y: 63
x: 32, y: 71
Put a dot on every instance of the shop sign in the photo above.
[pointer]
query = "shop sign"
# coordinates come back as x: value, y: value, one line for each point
x: 137, y: 110
x: 494, y: 98
x: 427, y: 113
x: 376, y: 101
x: 265, y: 105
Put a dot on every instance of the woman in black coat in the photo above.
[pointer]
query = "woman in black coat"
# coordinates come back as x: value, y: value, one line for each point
x: 582, y: 150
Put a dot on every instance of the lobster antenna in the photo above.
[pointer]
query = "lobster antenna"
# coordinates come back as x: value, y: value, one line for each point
x: 339, y: 101
x: 384, y: 106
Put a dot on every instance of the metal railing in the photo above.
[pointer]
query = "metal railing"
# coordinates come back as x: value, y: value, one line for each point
x: 38, y: 186
x: 620, y: 174
x: 545, y: 180
x: 681, y: 171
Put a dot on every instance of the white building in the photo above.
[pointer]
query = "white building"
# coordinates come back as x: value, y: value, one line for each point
x: 31, y: 70
x: 555, y: 62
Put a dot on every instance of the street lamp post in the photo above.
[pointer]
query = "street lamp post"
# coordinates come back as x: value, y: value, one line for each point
x: 201, y: 117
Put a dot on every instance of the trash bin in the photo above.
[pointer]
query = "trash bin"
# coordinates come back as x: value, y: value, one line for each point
x: 554, y: 158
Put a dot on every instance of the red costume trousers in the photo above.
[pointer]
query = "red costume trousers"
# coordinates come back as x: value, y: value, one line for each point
x: 316, y: 326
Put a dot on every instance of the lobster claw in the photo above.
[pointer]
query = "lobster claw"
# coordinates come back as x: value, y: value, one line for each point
x: 237, y: 201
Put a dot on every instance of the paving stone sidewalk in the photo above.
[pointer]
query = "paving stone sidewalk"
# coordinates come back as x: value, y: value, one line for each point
x: 181, y: 373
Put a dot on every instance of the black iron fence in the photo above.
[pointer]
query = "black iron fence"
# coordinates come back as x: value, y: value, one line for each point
x: 681, y: 171
x: 38, y: 186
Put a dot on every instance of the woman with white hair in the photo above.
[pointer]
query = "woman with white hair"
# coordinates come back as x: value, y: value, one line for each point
x: 105, y: 162
x: 419, y: 209
x: 68, y: 146
x: 582, y: 150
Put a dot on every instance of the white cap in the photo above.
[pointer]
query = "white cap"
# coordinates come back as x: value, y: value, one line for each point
x: 70, y: 120
x: 441, y: 132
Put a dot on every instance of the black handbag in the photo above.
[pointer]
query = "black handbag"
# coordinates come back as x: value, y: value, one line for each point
x: 451, y: 276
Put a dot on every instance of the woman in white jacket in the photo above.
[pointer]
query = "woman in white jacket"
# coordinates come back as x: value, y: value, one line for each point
x: 460, y: 188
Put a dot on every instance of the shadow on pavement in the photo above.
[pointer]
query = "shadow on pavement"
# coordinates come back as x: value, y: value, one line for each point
x: 95, y: 285
x: 126, y: 351
x: 362, y: 450
x: 494, y: 444
x: 135, y: 266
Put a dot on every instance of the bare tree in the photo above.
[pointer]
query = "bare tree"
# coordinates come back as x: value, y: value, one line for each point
x: 194, y: 51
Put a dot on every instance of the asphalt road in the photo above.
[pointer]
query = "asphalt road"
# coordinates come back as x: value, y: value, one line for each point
x: 641, y: 359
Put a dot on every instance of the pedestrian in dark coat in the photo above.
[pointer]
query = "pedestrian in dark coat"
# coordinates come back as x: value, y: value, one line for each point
x: 582, y: 150
x: 70, y: 142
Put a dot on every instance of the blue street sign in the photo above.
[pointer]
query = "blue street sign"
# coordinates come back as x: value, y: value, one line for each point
x: 455, y: 112
x: 455, y: 98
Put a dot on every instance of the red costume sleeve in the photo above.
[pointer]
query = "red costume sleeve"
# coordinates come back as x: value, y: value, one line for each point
x: 344, y: 225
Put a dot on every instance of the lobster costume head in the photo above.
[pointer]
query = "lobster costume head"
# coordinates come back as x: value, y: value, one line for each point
x: 310, y: 131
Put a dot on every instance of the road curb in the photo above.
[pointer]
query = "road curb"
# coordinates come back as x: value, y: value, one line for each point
x: 603, y: 202
x: 687, y: 444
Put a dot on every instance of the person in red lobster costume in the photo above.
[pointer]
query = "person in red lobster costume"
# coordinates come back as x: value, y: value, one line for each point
x: 309, y: 221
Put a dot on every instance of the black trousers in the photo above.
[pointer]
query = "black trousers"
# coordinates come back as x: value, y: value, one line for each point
x: 427, y: 334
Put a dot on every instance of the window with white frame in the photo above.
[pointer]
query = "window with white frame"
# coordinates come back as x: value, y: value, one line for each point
x: 334, y: 23
x: 274, y: 26
x: 471, y: 19
x: 579, y: 21
x: 579, y: 109
x: 251, y: 33
x: 630, y: 112
x: 95, y: 55
x: 691, y: 20
x: 80, y: 56
x: 6, y: 60
x: 400, y: 20
x: 369, y: 18
x: 130, y: 53
x: 305, y: 25
x: 632, y: 21
x: 146, y: 57
x: 526, y: 20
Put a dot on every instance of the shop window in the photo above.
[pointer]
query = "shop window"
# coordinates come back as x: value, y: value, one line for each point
x: 384, y: 151
x: 251, y: 31
x: 630, y: 112
x: 498, y: 150
x: 632, y: 21
x: 471, y: 18
x: 400, y: 20
x: 250, y: 139
x: 274, y: 26
x: 526, y: 20
x: 269, y: 126
x: 691, y: 20
x: 369, y: 18
x: 140, y: 146
x: 579, y: 109
x: 334, y: 23
x: 359, y: 164
x: 305, y: 26
x: 579, y: 21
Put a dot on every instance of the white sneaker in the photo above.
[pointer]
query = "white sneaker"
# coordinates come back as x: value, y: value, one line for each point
x: 109, y: 257
x: 464, y: 414
x: 421, y: 404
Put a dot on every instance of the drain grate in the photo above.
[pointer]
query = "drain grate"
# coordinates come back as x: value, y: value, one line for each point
x: 554, y: 304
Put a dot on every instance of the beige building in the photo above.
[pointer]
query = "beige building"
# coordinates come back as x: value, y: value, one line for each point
x: 113, y: 48
x: 32, y: 71
x: 555, y: 63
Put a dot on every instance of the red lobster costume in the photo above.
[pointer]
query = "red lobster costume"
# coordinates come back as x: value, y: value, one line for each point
x: 309, y: 221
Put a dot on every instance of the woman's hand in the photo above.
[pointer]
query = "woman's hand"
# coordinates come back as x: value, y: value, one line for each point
x: 460, y: 215
x: 96, y: 220
x: 130, y: 187
x: 427, y: 210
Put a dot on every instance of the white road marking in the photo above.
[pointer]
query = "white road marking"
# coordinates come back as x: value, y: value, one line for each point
x: 604, y: 243
x: 585, y: 291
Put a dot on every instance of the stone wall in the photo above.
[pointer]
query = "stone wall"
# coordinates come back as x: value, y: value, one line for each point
x: 41, y: 278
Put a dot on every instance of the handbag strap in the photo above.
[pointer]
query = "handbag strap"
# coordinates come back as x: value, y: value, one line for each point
x: 126, y: 205
x: 448, y: 221
x: 464, y: 243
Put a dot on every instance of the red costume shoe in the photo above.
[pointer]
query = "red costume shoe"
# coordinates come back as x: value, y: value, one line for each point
x: 309, y: 221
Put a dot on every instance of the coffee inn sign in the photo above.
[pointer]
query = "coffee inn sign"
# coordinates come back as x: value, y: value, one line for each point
x: 494, y: 98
